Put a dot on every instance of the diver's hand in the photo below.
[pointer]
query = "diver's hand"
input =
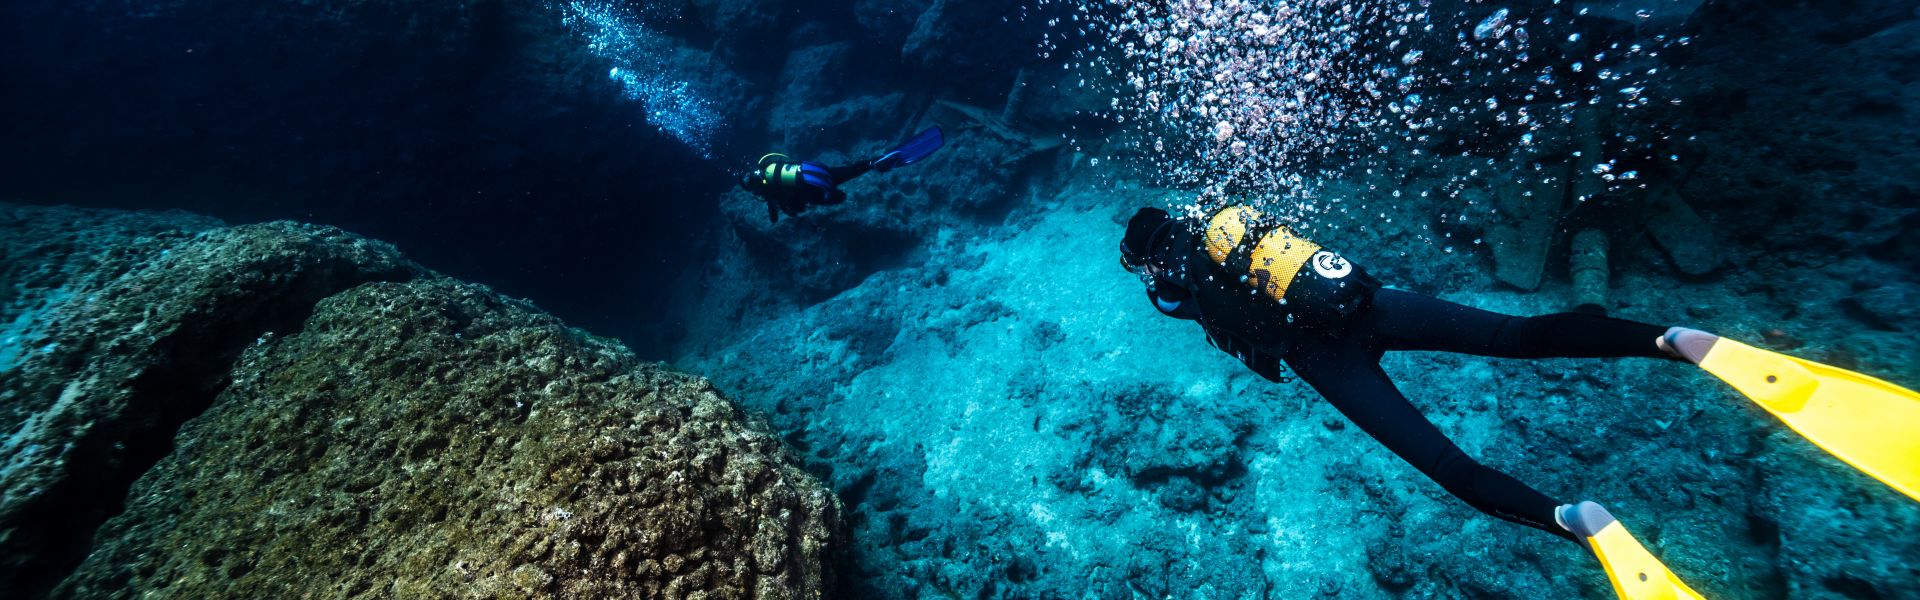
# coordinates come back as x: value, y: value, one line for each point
x: 773, y: 212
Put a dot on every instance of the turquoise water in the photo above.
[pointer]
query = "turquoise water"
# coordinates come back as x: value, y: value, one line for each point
x: 953, y: 350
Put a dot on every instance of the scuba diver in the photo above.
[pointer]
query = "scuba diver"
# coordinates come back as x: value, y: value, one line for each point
x: 1267, y: 296
x: 791, y: 186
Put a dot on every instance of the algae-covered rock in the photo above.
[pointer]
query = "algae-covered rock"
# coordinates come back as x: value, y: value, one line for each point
x: 287, y: 410
x: 434, y: 439
x: 43, y: 251
x: 130, y: 337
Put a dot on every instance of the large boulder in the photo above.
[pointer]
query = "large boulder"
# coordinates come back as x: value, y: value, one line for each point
x: 124, y: 333
x: 435, y: 439
x: 286, y: 410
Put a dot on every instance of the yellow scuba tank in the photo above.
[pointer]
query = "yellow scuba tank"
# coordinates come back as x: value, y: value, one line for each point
x: 1315, y: 285
x: 776, y: 169
x: 1273, y: 259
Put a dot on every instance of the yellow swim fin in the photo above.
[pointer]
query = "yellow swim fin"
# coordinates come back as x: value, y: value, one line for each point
x: 1871, y: 424
x: 1635, y: 573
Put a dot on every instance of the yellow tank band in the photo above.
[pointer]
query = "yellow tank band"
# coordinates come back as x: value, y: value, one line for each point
x: 1277, y: 257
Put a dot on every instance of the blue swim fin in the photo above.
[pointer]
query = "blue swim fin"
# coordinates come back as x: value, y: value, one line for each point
x: 923, y: 145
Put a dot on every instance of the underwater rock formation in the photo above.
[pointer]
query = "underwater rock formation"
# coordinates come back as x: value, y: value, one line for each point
x: 1805, y: 116
x: 283, y: 410
x: 131, y: 337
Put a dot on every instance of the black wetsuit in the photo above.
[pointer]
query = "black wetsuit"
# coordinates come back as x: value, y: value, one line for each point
x: 1346, y: 370
x: 1341, y: 360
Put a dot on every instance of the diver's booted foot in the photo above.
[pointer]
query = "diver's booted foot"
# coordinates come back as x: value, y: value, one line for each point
x: 887, y: 163
x: 1686, y: 344
x: 1583, y: 520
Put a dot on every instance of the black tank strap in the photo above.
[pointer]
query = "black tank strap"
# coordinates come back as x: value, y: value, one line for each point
x: 1240, y: 260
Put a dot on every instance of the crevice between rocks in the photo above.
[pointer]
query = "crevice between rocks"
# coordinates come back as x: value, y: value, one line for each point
x: 57, y: 528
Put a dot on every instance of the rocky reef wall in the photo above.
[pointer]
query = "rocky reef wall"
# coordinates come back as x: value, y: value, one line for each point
x: 203, y: 411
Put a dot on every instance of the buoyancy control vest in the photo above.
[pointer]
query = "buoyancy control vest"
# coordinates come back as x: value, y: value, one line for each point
x: 1260, y: 287
x: 775, y: 173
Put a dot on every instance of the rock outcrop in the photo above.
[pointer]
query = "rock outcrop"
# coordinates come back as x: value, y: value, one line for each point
x: 128, y: 335
x: 286, y: 410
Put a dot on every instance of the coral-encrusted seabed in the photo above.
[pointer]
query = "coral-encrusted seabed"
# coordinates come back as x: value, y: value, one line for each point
x: 198, y: 410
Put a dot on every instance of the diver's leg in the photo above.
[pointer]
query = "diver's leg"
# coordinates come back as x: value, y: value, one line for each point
x: 1408, y: 321
x: 793, y: 202
x: 843, y: 174
x: 1350, y: 378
